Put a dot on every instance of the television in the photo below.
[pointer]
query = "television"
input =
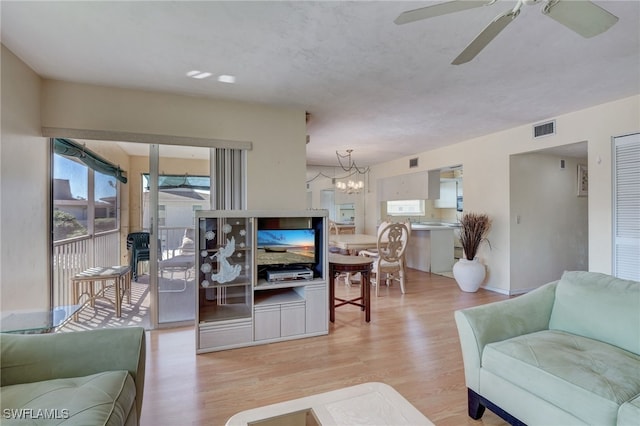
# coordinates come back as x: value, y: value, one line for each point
x: 286, y: 247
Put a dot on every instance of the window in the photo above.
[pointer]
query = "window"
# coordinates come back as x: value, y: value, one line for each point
x: 405, y: 208
x: 70, y: 198
x: 84, y: 201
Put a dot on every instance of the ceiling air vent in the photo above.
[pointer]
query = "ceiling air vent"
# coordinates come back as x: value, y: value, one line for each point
x: 544, y: 129
x: 413, y: 162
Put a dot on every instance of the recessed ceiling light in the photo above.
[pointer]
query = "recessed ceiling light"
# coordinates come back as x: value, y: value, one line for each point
x: 199, y: 74
x: 224, y: 78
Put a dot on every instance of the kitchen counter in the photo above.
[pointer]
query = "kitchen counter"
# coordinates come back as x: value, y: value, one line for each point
x: 430, y: 247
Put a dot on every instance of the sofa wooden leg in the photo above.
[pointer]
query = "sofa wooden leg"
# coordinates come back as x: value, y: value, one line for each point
x: 476, y: 409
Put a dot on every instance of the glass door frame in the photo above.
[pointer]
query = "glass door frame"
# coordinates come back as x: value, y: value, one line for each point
x: 154, y: 161
x: 158, y: 305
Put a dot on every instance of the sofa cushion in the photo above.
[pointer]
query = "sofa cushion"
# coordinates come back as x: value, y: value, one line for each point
x: 585, y: 377
x: 600, y: 307
x: 629, y: 413
x: 99, y: 399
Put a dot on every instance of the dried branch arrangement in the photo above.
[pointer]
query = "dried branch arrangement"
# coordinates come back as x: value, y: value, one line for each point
x: 474, y: 228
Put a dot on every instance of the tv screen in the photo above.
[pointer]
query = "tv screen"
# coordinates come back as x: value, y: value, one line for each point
x: 286, y: 246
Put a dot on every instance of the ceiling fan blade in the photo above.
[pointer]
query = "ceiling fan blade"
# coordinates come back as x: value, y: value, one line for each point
x: 439, y: 9
x: 485, y: 37
x: 584, y: 17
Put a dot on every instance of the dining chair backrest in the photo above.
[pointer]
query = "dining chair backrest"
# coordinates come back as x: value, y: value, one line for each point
x: 383, y: 226
x: 392, y: 242
x: 333, y: 228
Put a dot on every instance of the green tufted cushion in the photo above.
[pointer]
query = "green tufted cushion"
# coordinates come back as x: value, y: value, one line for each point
x: 600, y: 307
x: 585, y: 377
x: 99, y: 399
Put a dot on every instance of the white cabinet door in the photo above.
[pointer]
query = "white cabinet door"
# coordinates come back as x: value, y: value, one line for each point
x: 292, y: 319
x: 448, y: 195
x: 317, y: 308
x: 267, y: 322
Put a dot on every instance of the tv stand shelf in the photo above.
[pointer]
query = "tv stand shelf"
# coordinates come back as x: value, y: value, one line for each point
x: 237, y: 306
x: 277, y: 297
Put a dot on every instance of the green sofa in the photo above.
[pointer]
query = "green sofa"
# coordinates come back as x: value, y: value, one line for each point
x: 80, y: 378
x: 567, y: 353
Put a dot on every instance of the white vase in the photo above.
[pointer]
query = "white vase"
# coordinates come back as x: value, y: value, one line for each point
x: 469, y: 274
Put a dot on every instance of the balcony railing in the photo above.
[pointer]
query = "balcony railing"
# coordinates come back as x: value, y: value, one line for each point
x: 75, y: 255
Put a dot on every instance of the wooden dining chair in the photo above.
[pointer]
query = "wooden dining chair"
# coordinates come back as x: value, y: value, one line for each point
x: 392, y: 244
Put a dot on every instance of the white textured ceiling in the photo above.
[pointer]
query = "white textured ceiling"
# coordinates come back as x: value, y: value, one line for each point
x: 381, y: 89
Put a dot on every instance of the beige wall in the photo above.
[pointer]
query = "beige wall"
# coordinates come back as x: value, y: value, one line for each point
x: 24, y: 189
x: 486, y: 162
x: 276, y: 164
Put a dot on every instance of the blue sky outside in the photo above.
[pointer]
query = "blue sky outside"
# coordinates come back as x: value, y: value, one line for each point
x: 76, y: 173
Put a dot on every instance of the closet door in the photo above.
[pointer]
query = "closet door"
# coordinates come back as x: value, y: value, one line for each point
x: 626, y: 207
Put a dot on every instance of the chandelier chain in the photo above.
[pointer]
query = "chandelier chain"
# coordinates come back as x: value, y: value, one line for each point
x: 351, y: 164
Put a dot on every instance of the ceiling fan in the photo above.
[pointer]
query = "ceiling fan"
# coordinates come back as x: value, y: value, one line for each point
x: 581, y: 16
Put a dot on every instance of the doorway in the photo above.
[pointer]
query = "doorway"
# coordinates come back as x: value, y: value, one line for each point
x: 176, y: 187
x: 549, y: 226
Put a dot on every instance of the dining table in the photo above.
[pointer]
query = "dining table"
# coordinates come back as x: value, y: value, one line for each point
x: 353, y: 243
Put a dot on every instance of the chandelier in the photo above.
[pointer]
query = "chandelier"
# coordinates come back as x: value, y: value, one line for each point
x: 351, y: 186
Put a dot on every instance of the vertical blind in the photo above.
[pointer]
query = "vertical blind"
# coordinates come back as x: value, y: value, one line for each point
x: 228, y: 175
x: 626, y: 207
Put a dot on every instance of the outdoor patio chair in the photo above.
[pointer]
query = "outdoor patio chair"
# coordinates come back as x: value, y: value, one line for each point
x: 138, y: 247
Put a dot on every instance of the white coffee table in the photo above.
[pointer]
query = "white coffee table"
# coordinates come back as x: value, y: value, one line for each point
x: 365, y: 404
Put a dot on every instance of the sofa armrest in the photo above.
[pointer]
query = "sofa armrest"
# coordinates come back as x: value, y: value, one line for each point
x: 34, y: 358
x: 481, y: 325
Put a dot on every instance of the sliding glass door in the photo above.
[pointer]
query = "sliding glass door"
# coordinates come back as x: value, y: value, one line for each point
x: 177, y: 186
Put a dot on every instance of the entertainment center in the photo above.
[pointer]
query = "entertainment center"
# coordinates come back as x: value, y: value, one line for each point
x: 262, y: 277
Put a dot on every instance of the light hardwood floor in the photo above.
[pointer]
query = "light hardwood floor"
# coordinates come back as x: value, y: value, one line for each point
x: 411, y: 344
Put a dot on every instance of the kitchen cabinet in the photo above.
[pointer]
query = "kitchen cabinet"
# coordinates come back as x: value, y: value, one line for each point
x: 448, y: 195
x: 411, y: 186
x: 430, y: 249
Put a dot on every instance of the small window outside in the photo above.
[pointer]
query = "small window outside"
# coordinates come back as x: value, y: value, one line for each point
x: 405, y: 208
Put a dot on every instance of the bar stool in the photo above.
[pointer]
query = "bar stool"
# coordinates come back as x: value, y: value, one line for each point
x: 338, y: 264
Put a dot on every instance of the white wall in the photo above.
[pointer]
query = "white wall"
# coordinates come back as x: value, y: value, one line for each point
x: 24, y: 189
x: 549, y: 222
x: 486, y: 177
